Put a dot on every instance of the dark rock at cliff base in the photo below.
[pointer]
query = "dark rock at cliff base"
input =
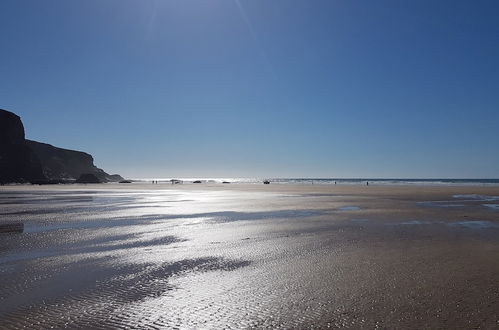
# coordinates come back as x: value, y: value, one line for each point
x: 114, y: 177
x: 24, y: 160
x: 18, y: 163
x: 88, y: 178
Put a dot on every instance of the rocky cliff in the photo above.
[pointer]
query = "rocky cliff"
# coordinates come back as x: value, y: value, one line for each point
x: 18, y: 163
x: 64, y: 164
x: 24, y: 160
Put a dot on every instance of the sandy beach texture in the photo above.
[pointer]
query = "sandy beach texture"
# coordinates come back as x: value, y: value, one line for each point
x: 241, y: 256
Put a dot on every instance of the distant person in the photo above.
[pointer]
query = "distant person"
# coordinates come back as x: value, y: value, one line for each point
x: 367, y: 183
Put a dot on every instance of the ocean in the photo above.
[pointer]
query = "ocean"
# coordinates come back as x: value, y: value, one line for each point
x: 332, y: 181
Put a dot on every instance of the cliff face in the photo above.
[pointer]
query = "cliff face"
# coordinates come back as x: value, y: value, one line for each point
x: 24, y: 160
x: 64, y: 164
x: 18, y: 163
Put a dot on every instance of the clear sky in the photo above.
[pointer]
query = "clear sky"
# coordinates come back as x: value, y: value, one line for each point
x: 259, y: 88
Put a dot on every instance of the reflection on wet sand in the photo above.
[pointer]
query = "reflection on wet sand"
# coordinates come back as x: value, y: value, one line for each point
x: 219, y: 257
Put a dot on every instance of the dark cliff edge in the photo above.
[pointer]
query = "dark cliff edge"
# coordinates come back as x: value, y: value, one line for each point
x: 23, y: 161
x: 18, y: 163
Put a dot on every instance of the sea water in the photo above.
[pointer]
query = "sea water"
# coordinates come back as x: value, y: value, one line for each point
x: 332, y: 181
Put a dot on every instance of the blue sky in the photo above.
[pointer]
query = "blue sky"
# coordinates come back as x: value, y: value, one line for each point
x: 259, y: 88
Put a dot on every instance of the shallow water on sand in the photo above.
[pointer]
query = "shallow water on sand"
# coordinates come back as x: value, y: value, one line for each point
x: 215, y: 258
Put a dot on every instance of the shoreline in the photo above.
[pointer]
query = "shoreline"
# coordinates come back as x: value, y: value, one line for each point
x: 363, y: 189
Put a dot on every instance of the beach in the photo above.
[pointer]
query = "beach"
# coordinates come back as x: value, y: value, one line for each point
x: 250, y: 256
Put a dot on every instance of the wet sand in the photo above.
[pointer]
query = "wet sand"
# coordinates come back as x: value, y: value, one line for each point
x: 241, y: 256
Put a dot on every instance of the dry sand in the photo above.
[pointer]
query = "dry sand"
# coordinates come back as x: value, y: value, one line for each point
x: 239, y: 256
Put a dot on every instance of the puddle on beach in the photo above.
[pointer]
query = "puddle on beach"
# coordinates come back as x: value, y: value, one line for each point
x: 349, y: 208
x: 417, y: 222
x: 476, y: 197
x: 477, y: 224
x: 465, y: 200
x: 360, y: 221
x: 442, y: 204
x: 492, y: 206
x: 469, y: 224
